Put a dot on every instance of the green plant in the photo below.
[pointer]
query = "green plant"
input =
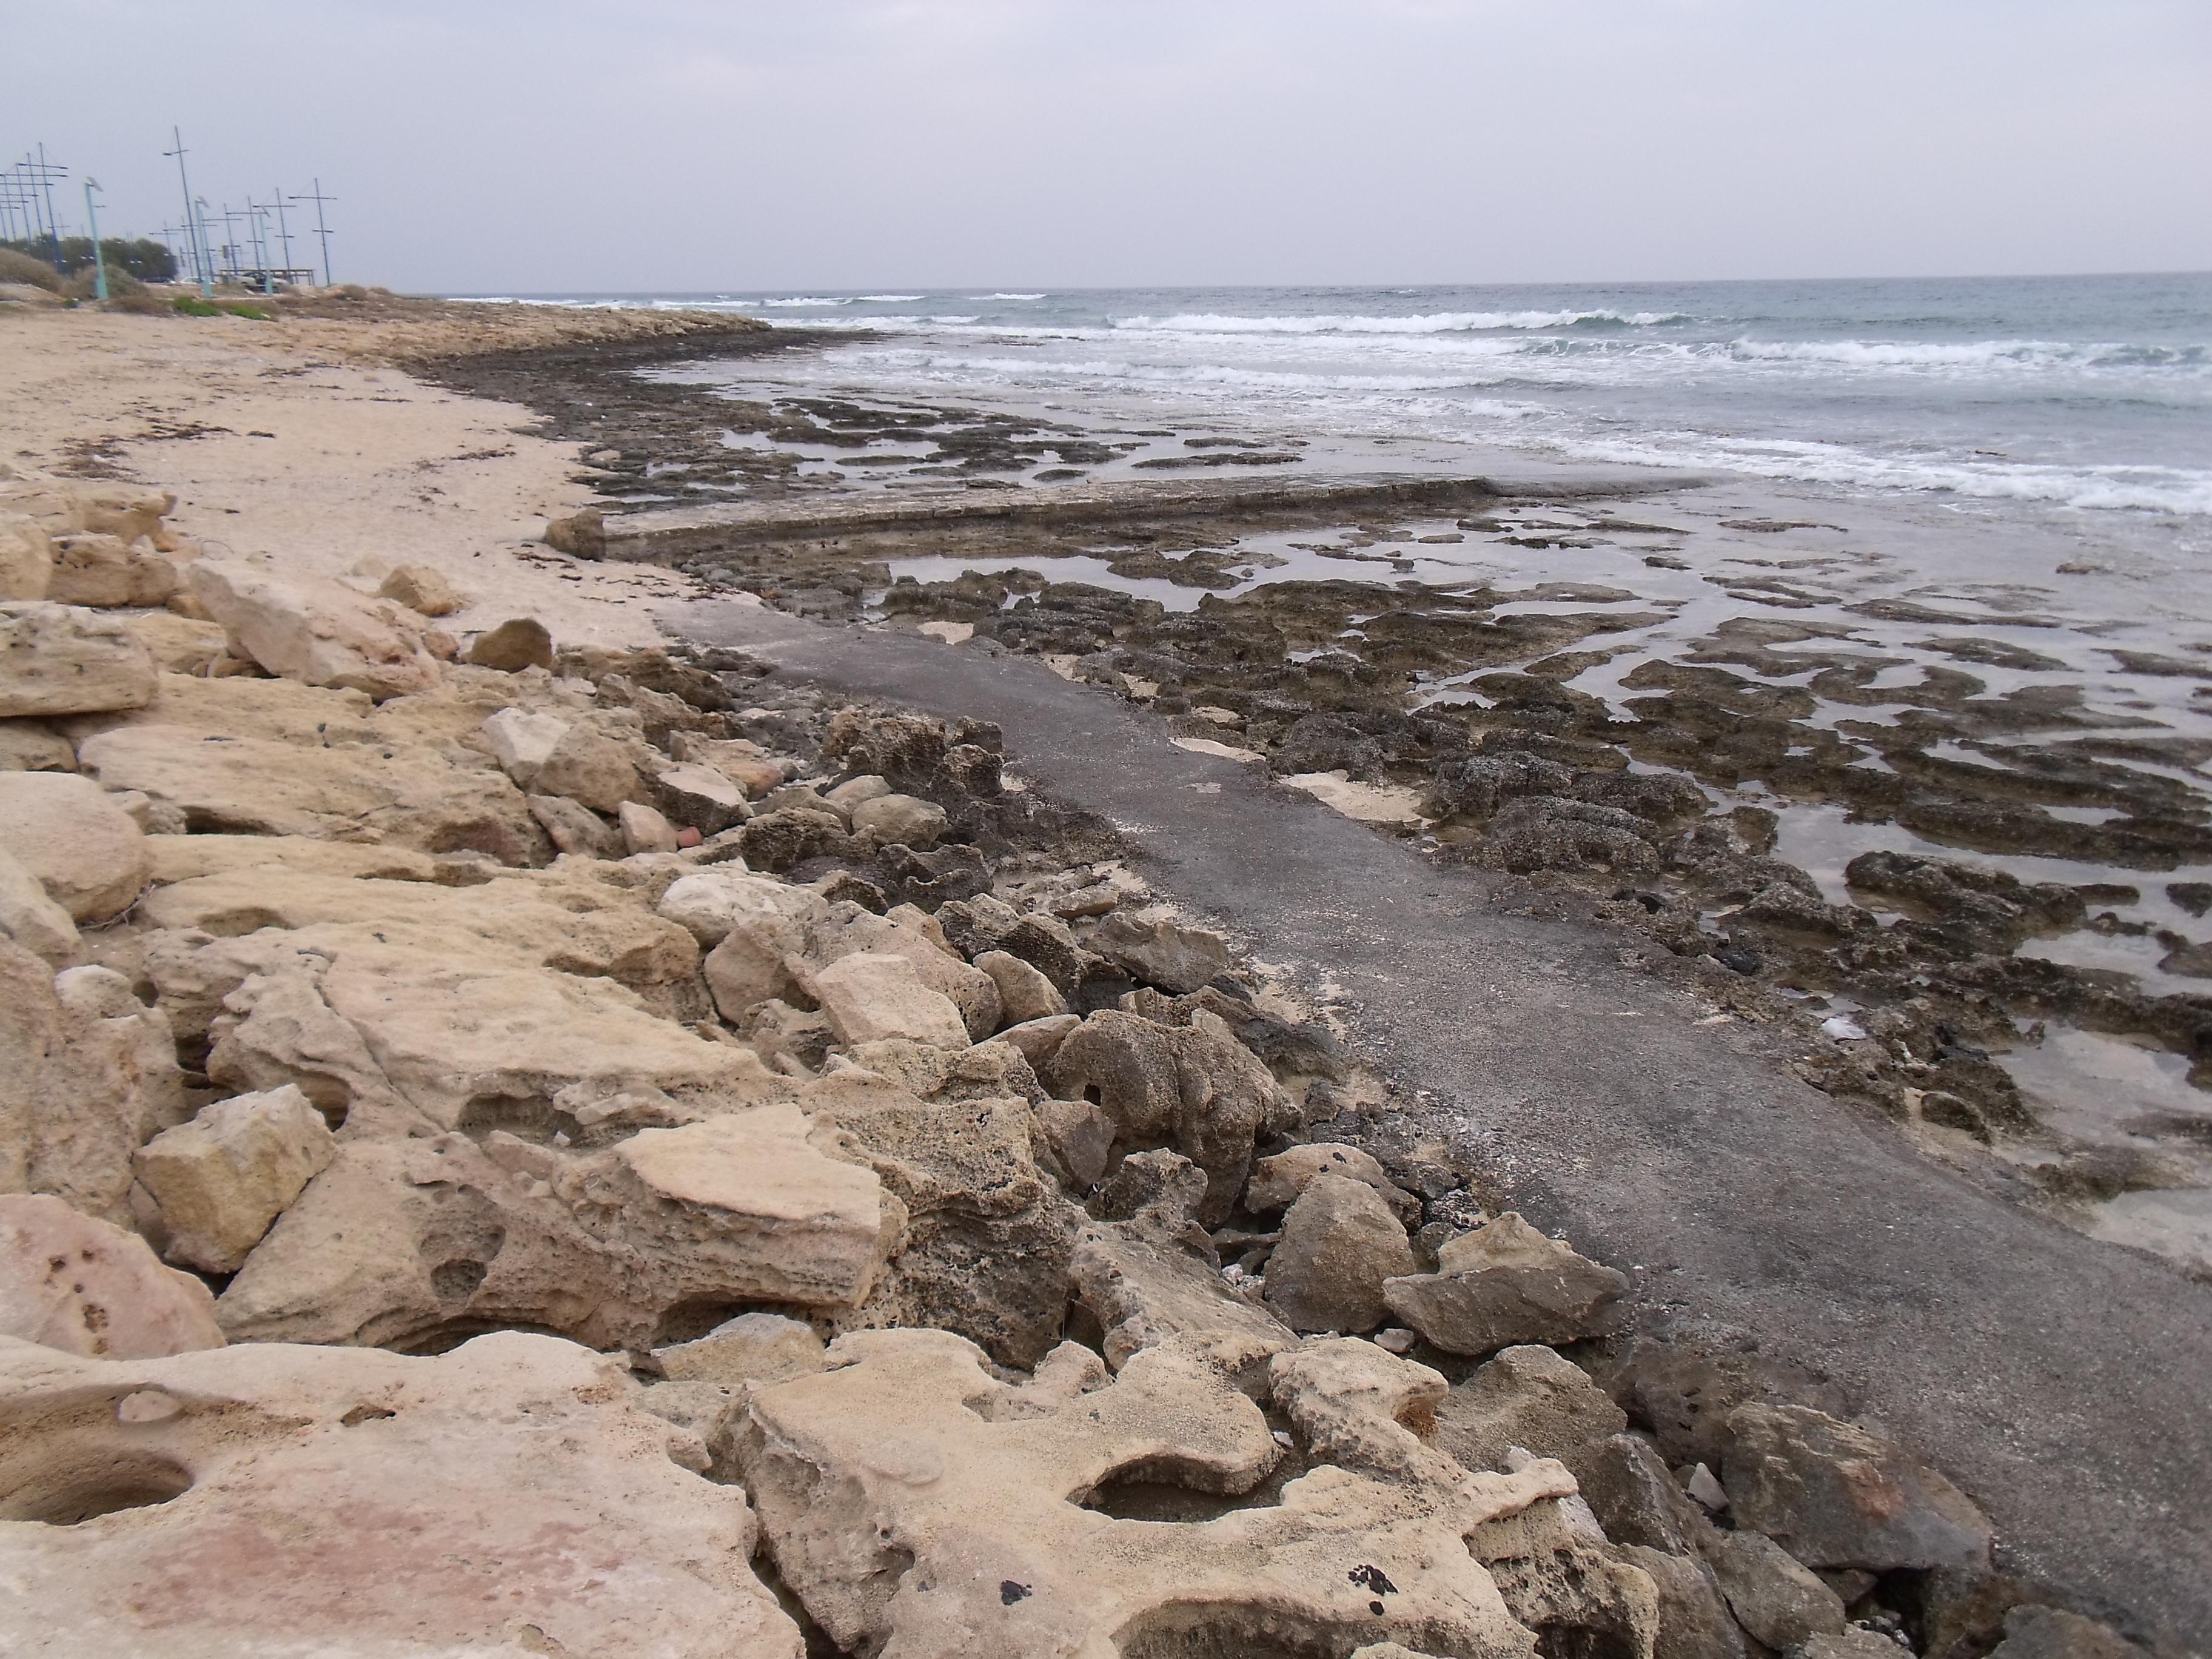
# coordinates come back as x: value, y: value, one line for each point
x: 191, y: 305
x: 239, y: 309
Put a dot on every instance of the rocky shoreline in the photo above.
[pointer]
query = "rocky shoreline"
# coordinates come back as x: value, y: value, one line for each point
x: 725, y: 1166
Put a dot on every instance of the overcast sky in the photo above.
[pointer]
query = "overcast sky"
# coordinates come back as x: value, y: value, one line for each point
x: 544, y: 146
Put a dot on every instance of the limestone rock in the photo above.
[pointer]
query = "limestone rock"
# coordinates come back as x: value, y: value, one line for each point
x: 1773, y: 1596
x: 57, y: 659
x: 180, y: 644
x: 1835, y: 1495
x: 1635, y: 1498
x: 91, y: 1075
x: 588, y: 766
x: 903, y: 820
x: 1533, y: 1398
x: 855, y: 792
x: 222, y: 1178
x: 182, y: 858
x: 543, y: 1510
x: 1276, y: 1182
x: 317, y: 633
x: 739, y: 759
x: 914, y: 937
x: 27, y: 557
x: 108, y: 506
x: 1195, y: 1088
x: 582, y: 535
x: 32, y: 920
x: 34, y: 746
x: 1160, y: 951
x: 868, y: 996
x: 70, y: 1282
x: 644, y: 829
x: 915, y: 1506
x: 94, y: 568
x: 1024, y: 994
x: 761, y: 929
x: 1040, y: 1039
x: 422, y: 589
x: 522, y: 741
x: 70, y: 834
x: 2034, y: 1631
x: 1503, y: 1283
x: 754, y: 1347
x: 1339, y: 1243
x: 1148, y: 1283
x: 700, y: 797
x: 571, y: 827
x: 514, y: 645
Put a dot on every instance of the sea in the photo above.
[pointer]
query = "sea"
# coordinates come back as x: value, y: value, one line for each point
x: 2082, y: 405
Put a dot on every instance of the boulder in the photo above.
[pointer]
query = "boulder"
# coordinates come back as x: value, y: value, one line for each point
x: 761, y: 929
x: 739, y: 759
x: 1503, y: 1283
x: 180, y: 644
x: 1040, y: 1039
x: 1276, y: 1182
x: 754, y: 1347
x: 588, y: 766
x: 573, y: 827
x: 1339, y: 1243
x: 903, y: 820
x: 700, y: 797
x: 509, y: 1497
x: 914, y: 937
x: 422, y: 589
x: 644, y: 829
x: 1836, y: 1495
x: 72, y: 1283
x: 1636, y: 1498
x: 91, y: 1077
x: 581, y: 534
x: 34, y: 746
x: 514, y: 645
x: 1153, y: 1281
x: 916, y: 1505
x: 109, y: 507
x: 1024, y: 994
x: 1774, y: 1597
x: 869, y: 995
x: 27, y: 557
x: 1194, y: 1088
x: 94, y: 568
x: 317, y: 633
x: 1533, y: 1398
x: 220, y: 1180
x: 522, y: 741
x: 2034, y: 1632
x: 70, y: 834
x: 57, y: 659
x: 30, y: 919
x: 1694, y: 1622
x: 1160, y: 951
x: 855, y: 792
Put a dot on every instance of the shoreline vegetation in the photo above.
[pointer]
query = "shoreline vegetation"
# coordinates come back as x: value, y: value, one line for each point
x: 483, y: 1058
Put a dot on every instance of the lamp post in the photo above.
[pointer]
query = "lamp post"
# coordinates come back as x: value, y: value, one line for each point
x: 99, y: 263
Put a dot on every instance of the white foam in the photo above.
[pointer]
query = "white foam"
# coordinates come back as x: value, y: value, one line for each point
x: 1442, y: 322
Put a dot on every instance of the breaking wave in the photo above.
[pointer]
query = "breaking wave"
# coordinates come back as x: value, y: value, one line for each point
x: 1442, y: 322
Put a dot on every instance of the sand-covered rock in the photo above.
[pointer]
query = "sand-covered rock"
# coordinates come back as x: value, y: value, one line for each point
x: 70, y: 833
x: 317, y: 633
x: 220, y: 1180
x: 1503, y: 1283
x: 61, y: 659
x: 73, y: 1283
x: 507, y: 1497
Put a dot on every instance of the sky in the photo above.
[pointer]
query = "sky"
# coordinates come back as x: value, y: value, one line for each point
x: 541, y: 146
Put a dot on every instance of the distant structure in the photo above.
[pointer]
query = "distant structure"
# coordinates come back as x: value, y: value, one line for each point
x: 249, y: 248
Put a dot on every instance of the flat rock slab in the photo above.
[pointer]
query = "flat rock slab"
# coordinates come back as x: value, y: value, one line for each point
x: 1688, y: 1155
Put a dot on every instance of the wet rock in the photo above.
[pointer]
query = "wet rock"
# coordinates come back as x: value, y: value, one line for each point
x: 70, y: 1282
x: 1161, y: 951
x: 1339, y: 1243
x: 496, y: 1453
x: 1024, y: 994
x: 1778, y: 1601
x: 72, y: 835
x: 1530, y: 1397
x: 1544, y: 832
x: 220, y: 1180
x: 1196, y: 1089
x: 869, y: 996
x: 1975, y: 909
x: 1835, y: 1495
x: 317, y: 633
x: 57, y: 659
x: 1503, y: 1283
x: 522, y: 642
x: 754, y: 1347
x: 422, y: 589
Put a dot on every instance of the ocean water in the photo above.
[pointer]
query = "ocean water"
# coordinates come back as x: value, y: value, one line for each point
x: 2082, y: 403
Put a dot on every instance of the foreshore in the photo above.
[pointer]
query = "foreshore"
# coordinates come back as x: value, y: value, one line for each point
x: 1508, y: 944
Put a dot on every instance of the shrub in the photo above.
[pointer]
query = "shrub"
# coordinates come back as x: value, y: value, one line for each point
x: 22, y: 268
x: 119, y: 282
x: 192, y: 305
x: 141, y: 256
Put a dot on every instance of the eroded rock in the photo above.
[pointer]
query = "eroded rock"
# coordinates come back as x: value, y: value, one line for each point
x: 78, y: 1284
x: 1503, y: 1283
